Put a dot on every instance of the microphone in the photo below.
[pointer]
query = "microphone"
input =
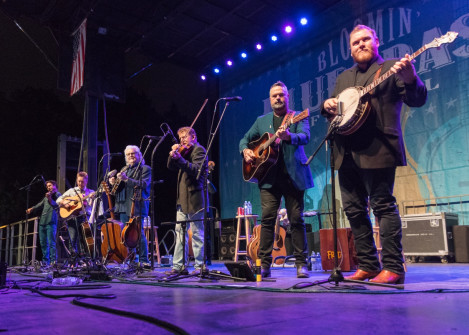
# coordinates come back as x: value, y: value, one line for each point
x: 237, y: 98
x: 152, y: 137
x: 44, y: 181
x: 170, y: 133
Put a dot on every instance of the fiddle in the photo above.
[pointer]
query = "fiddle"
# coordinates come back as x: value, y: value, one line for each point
x: 181, y: 149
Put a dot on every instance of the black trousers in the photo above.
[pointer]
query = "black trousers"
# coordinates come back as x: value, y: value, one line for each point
x: 358, y: 186
x: 294, y: 204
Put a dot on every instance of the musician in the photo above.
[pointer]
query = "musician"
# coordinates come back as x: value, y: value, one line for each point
x: 48, y: 222
x: 134, y: 174
x: 288, y: 178
x: 367, y: 159
x: 74, y: 222
x: 188, y: 159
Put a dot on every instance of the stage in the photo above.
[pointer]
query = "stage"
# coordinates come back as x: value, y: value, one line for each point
x: 434, y: 300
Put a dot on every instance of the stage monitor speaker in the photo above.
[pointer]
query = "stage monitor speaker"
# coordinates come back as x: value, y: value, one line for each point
x: 227, y: 239
x: 461, y: 243
x: 240, y: 270
x: 346, y: 252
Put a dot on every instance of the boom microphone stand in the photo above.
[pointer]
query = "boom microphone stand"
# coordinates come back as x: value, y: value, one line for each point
x: 336, y: 275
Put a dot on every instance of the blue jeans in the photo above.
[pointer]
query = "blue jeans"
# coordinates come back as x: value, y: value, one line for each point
x: 76, y: 235
x: 197, y: 228
x: 47, y: 234
x: 357, y: 186
x: 142, y: 255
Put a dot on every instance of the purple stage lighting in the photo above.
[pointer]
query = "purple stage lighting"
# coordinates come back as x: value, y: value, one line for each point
x: 229, y: 62
x: 244, y: 55
x: 203, y: 77
x: 304, y: 21
x: 288, y: 29
x: 258, y: 46
x: 216, y: 70
x: 274, y: 38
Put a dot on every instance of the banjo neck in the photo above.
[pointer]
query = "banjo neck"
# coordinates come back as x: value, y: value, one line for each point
x: 447, y: 38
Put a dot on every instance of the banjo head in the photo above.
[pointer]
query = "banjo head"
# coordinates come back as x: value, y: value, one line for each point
x: 350, y: 100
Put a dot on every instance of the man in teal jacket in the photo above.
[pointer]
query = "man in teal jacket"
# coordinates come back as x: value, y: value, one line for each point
x: 48, y: 222
x: 288, y: 178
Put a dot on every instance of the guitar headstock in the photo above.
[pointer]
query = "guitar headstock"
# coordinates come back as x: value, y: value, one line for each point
x: 106, y: 188
x: 449, y: 37
x: 303, y: 115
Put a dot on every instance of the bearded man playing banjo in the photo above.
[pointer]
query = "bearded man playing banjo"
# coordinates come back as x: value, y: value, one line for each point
x: 367, y: 157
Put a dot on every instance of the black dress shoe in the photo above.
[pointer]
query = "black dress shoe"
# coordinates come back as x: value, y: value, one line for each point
x: 174, y: 272
x: 265, y: 272
x: 302, y: 272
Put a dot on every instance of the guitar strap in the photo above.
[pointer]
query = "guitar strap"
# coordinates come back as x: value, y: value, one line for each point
x: 376, y: 77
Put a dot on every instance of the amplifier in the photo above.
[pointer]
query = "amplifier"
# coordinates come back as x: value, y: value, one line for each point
x: 227, y: 239
x: 346, y: 252
x: 429, y: 234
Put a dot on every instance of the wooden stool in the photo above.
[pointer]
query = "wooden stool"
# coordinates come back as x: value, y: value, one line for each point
x: 247, y: 227
x: 146, y: 229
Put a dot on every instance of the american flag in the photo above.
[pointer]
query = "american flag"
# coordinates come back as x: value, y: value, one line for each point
x: 78, y: 65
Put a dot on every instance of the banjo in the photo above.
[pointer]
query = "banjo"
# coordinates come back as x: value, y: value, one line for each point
x: 354, y: 102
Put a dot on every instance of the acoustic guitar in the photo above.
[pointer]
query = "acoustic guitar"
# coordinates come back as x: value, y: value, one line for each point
x: 76, y: 204
x: 266, y: 152
x: 278, y: 245
x: 132, y: 231
x: 111, y: 245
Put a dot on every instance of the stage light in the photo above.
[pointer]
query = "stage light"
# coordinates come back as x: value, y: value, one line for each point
x: 203, y: 77
x: 274, y: 38
x: 229, y: 62
x: 258, y: 46
x: 244, y: 55
x: 288, y: 29
x: 216, y: 70
x: 304, y: 21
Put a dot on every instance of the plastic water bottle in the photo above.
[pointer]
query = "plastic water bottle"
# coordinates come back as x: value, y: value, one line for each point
x: 249, y: 208
x: 313, y: 261
x: 245, y: 207
x: 66, y: 281
x: 318, y: 262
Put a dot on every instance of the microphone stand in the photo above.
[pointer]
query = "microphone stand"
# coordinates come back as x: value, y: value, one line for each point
x: 336, y: 275
x: 27, y: 188
x: 152, y: 203
x: 203, y: 168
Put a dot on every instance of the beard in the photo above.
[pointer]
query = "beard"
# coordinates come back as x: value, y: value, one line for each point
x: 278, y: 106
x: 363, y: 57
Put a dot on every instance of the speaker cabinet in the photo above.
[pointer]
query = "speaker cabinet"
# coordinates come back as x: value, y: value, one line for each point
x: 227, y: 239
x: 461, y: 243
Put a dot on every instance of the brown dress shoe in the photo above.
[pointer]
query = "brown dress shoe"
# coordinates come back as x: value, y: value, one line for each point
x: 362, y: 275
x: 388, y: 277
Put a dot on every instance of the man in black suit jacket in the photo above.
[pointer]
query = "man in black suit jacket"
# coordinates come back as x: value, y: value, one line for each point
x: 188, y: 158
x: 367, y: 159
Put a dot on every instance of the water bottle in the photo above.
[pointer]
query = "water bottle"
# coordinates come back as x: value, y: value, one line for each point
x: 318, y: 261
x: 313, y: 261
x: 249, y: 208
x: 245, y: 207
x: 66, y: 281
